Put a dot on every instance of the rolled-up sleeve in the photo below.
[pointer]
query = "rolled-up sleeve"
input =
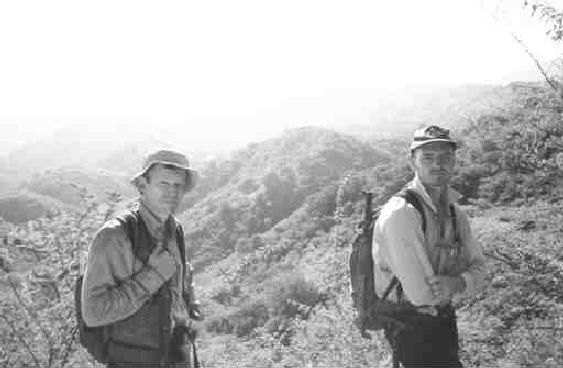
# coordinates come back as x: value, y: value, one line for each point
x: 474, y: 273
x: 400, y: 233
x: 110, y: 290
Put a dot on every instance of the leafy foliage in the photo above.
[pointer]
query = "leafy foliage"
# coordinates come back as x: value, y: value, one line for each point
x: 41, y: 262
x: 552, y: 18
x: 512, y: 157
x: 269, y: 229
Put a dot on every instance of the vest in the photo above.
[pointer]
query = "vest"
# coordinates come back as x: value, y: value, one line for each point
x: 134, y: 339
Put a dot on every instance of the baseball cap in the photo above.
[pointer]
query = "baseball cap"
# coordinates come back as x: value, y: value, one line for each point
x: 429, y: 134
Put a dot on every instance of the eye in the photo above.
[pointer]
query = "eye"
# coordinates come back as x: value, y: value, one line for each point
x: 446, y: 158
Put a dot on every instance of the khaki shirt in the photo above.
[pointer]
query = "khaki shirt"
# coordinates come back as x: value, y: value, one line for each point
x: 397, y: 234
x: 116, y: 283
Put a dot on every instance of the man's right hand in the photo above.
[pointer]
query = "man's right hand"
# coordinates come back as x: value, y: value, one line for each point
x: 163, y: 263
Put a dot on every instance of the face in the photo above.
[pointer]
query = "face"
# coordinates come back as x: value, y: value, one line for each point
x: 163, y: 190
x: 434, y: 163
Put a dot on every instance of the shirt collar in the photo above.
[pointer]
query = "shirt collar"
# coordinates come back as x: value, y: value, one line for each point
x: 153, y: 222
x: 417, y: 186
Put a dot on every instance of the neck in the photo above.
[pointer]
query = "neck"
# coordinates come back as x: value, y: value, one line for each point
x: 438, y: 194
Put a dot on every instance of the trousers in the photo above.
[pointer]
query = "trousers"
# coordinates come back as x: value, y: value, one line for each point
x: 425, y: 340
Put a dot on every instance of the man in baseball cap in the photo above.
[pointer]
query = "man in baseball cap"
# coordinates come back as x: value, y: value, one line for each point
x: 429, y: 134
x: 426, y: 245
x: 137, y: 280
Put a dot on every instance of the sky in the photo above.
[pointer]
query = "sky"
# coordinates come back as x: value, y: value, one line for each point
x: 233, y: 71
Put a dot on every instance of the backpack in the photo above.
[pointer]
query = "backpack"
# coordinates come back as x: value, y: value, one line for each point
x: 95, y: 339
x: 374, y: 312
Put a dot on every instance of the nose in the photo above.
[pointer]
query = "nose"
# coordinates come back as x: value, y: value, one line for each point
x: 177, y: 190
x: 436, y: 164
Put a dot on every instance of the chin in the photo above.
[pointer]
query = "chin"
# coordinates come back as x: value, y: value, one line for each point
x: 168, y: 209
x: 173, y: 209
x: 437, y: 182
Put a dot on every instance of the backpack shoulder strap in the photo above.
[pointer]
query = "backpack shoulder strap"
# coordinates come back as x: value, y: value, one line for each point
x: 181, y: 244
x: 455, y: 228
x: 138, y: 234
x: 413, y: 199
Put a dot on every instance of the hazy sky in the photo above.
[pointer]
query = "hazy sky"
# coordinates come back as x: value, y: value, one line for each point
x: 230, y: 69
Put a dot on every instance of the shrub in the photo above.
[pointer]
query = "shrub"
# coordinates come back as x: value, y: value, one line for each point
x: 38, y: 314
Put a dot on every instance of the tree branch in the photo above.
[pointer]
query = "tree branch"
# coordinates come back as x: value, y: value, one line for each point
x: 25, y: 344
x: 68, y: 347
x: 31, y: 314
x: 502, y: 258
x: 552, y: 83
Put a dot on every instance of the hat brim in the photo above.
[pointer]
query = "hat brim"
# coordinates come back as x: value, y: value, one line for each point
x: 418, y: 144
x: 192, y: 176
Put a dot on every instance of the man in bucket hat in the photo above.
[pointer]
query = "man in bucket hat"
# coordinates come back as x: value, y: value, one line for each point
x: 427, y: 251
x: 136, y: 283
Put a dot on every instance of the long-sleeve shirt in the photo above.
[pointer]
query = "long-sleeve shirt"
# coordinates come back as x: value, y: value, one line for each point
x: 397, y: 234
x: 116, y: 283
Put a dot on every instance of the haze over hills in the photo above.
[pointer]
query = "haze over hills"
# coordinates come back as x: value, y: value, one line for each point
x: 105, y: 155
x: 288, y: 126
x: 93, y: 142
x: 269, y: 226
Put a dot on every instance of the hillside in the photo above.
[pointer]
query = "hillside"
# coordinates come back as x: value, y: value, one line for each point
x: 514, y: 322
x: 267, y: 182
x: 511, y: 156
x: 83, y: 144
x: 269, y: 228
x: 25, y: 206
x: 52, y: 191
x: 71, y: 185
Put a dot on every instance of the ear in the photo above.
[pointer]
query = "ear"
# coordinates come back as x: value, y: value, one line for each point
x: 141, y: 184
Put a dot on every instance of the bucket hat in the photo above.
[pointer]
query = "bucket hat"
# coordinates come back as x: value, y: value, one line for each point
x: 168, y: 157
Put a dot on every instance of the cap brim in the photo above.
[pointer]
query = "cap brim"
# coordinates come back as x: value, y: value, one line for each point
x: 418, y: 144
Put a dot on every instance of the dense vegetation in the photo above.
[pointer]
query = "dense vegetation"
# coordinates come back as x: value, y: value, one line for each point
x: 512, y: 156
x: 269, y: 231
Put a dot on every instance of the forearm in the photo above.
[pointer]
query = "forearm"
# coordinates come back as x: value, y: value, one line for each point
x: 474, y: 279
x: 474, y: 259
x: 474, y: 274
x: 106, y: 303
x: 458, y: 285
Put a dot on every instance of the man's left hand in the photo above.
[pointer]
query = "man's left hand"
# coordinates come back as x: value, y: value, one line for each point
x: 444, y: 287
x: 196, y: 311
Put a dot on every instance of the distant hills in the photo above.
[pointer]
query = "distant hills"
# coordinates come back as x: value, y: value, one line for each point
x: 101, y: 159
x: 25, y: 206
x: 84, y: 145
x: 265, y: 183
x: 269, y: 226
x: 397, y: 113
